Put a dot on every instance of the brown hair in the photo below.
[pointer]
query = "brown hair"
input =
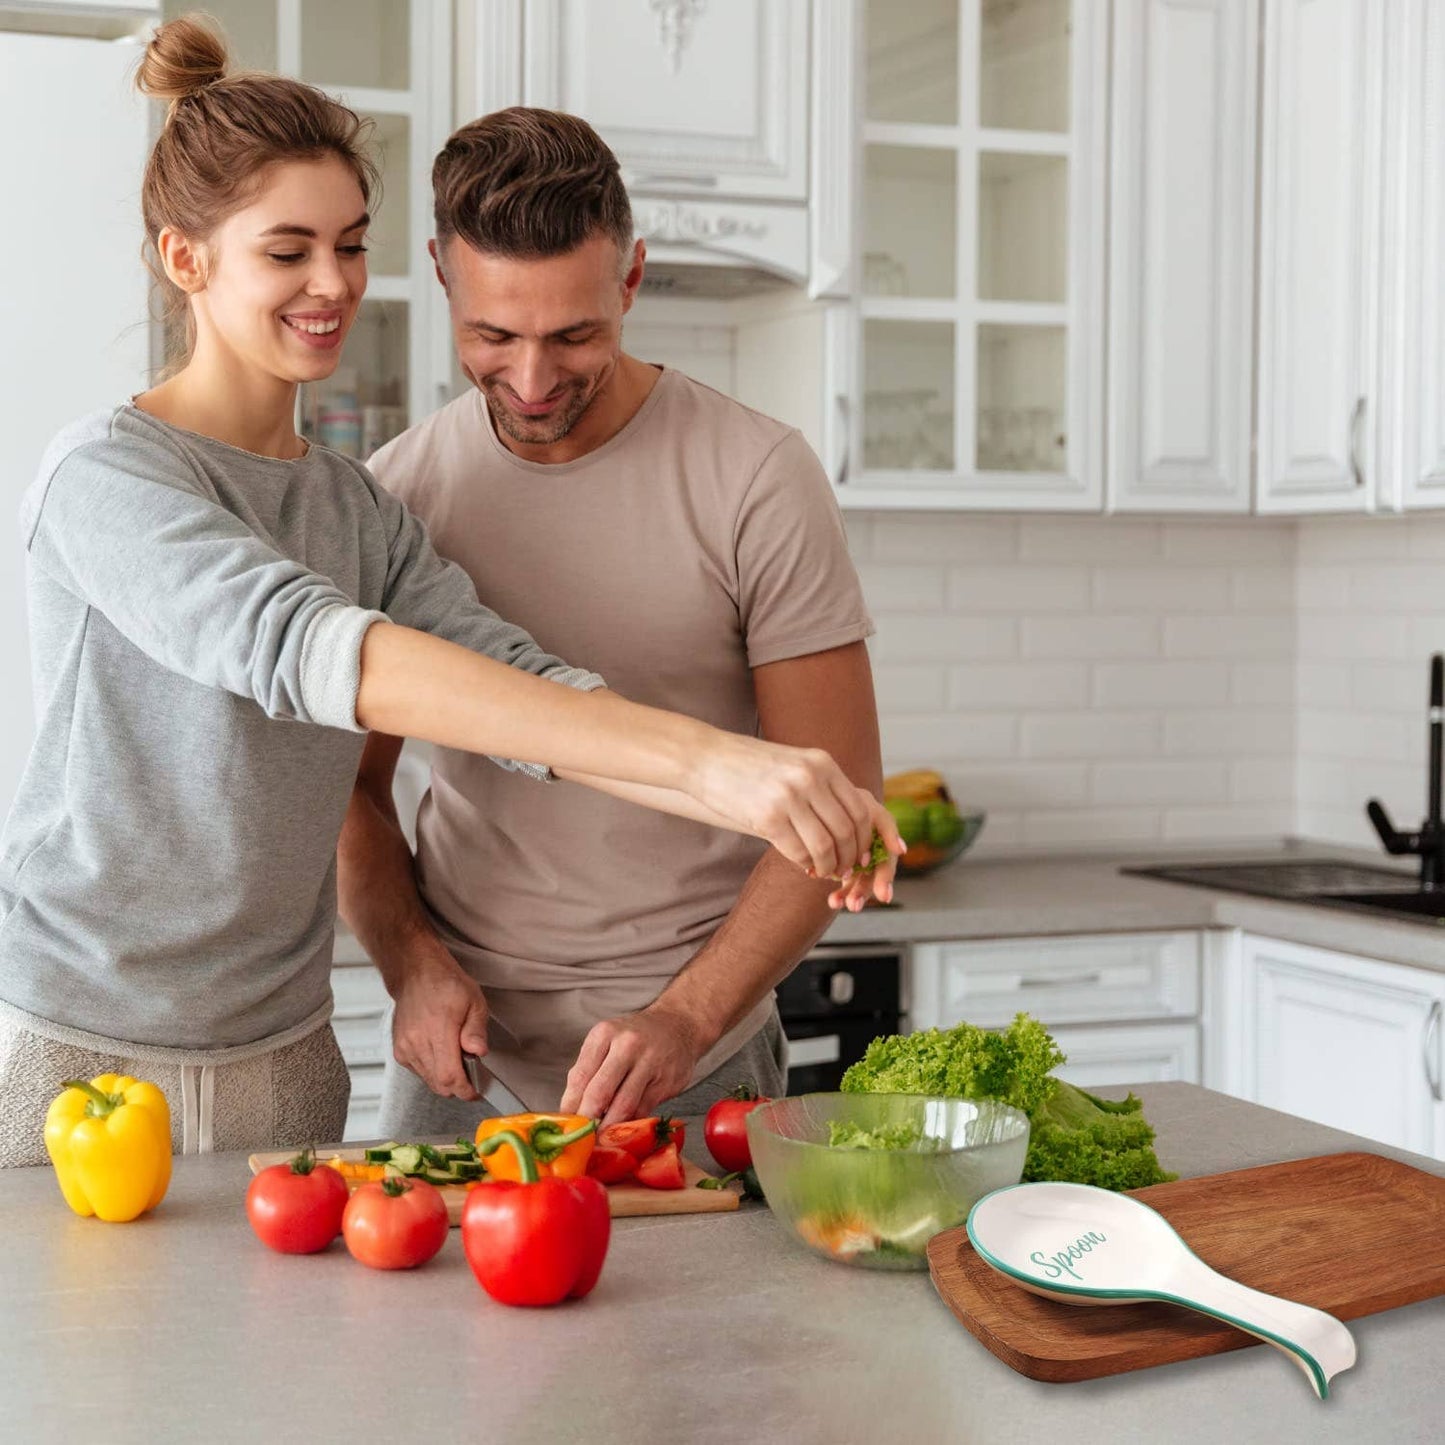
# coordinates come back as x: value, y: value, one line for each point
x: 222, y: 131
x: 530, y: 183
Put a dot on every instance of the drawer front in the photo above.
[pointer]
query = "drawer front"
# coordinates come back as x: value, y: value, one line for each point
x: 1140, y: 1054
x: 1093, y: 978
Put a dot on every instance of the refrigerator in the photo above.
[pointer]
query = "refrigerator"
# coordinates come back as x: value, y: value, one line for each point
x: 74, y: 326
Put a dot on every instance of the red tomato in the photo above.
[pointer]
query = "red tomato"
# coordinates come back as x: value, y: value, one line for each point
x: 395, y: 1223
x: 662, y: 1170
x: 641, y: 1137
x: 611, y: 1166
x: 537, y: 1244
x: 725, y: 1130
x: 296, y: 1207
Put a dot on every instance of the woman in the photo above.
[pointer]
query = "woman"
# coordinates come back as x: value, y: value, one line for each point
x: 219, y: 611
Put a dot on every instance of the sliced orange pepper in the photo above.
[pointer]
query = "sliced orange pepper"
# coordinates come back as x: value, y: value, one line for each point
x: 355, y: 1168
x: 562, y: 1144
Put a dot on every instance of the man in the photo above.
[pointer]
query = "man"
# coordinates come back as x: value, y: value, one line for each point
x: 687, y: 548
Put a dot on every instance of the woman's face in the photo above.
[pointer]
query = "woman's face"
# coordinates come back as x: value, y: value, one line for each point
x: 286, y: 273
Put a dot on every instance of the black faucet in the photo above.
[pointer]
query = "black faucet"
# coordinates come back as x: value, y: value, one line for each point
x: 1429, y: 842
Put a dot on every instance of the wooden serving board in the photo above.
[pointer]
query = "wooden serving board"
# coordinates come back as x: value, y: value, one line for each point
x: 626, y: 1200
x: 1351, y: 1234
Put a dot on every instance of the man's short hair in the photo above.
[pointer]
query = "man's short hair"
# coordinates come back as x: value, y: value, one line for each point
x: 529, y: 183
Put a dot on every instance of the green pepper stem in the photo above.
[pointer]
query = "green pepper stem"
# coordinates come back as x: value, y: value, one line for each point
x: 99, y: 1104
x: 548, y: 1140
x: 526, y: 1160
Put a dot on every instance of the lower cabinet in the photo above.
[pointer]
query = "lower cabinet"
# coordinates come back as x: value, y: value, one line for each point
x: 361, y: 1000
x: 1350, y: 1042
x: 1124, y: 1007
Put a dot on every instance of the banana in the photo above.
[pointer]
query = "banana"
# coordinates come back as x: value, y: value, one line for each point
x: 919, y: 785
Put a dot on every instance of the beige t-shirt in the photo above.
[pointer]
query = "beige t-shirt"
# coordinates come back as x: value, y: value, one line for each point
x: 701, y: 541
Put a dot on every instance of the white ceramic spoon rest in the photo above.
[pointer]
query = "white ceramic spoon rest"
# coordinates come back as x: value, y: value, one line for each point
x: 1088, y: 1246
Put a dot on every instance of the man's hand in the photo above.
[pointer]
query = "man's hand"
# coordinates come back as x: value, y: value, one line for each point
x: 629, y: 1064
x: 440, y: 1013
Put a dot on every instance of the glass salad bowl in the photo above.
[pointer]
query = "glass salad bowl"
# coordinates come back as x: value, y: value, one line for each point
x: 869, y: 1179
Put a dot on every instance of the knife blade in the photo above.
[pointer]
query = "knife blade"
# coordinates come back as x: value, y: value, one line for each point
x: 493, y: 1091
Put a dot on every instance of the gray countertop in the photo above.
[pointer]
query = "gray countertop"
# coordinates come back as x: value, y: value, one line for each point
x: 1019, y: 897
x: 703, y: 1328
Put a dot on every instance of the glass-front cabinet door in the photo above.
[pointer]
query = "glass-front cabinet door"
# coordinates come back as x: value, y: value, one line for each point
x: 390, y: 60
x: 981, y: 317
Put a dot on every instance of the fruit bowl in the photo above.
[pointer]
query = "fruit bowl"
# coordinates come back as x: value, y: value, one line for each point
x: 933, y: 826
x: 923, y: 857
x: 879, y: 1207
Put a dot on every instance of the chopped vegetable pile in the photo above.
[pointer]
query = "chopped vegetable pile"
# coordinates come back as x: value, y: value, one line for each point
x: 1074, y: 1136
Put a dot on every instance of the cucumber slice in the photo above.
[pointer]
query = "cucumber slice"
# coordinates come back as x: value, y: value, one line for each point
x: 407, y: 1158
x: 381, y: 1153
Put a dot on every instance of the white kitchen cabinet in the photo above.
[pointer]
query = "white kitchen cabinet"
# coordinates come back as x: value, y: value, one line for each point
x: 390, y: 60
x: 1414, y: 364
x: 709, y: 110
x: 361, y: 1000
x: 980, y: 378
x: 1181, y: 263
x: 1138, y: 1054
x: 1349, y: 1042
x: 1320, y: 255
x: 1124, y: 1007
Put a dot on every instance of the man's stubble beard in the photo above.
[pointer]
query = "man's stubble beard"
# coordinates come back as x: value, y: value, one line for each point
x: 538, y: 431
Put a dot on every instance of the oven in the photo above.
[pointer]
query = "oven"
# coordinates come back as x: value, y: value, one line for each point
x: 834, y: 1004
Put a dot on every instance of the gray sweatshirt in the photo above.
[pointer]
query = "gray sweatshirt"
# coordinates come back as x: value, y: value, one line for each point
x: 168, y: 869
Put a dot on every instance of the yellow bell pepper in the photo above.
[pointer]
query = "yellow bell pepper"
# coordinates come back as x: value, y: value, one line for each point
x: 561, y: 1143
x: 110, y: 1142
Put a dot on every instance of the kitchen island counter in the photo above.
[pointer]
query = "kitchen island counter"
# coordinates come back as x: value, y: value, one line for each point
x: 703, y: 1328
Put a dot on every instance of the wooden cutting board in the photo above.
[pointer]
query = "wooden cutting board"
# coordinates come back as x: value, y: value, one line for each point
x: 1351, y: 1234
x: 626, y: 1200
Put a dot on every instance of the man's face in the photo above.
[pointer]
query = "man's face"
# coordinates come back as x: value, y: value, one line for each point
x: 539, y: 338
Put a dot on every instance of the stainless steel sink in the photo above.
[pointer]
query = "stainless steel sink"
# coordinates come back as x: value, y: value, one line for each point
x: 1422, y: 905
x: 1322, y: 881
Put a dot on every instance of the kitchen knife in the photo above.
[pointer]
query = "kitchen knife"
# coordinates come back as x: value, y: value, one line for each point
x: 493, y: 1091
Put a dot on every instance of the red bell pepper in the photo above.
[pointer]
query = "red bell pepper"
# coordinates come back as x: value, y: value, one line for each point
x: 537, y: 1242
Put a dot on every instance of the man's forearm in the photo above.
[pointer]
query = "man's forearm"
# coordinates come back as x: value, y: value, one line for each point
x: 376, y: 889
x: 778, y: 917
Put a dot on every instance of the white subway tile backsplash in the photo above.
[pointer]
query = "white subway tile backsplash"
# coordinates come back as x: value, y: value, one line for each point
x: 1069, y: 539
x: 920, y: 637
x: 1252, y: 636
x: 906, y: 538
x: 903, y: 586
x: 1165, y: 590
x: 1091, y: 637
x: 1093, y: 734
x: 987, y: 686
x: 1018, y: 588
x: 1259, y: 539
x: 938, y: 739
x: 1164, y: 782
x: 909, y: 688
x: 1118, y: 679
x: 1210, y: 732
x: 1161, y: 684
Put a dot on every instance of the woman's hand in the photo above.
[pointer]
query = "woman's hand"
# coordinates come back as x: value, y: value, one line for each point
x: 801, y: 802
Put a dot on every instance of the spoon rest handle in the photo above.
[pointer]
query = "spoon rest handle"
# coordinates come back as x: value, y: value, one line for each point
x: 1317, y: 1342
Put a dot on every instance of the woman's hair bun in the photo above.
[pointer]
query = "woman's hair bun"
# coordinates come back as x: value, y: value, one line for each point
x: 183, y: 57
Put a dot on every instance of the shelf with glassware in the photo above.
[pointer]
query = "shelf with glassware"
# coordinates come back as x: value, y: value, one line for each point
x: 391, y: 61
x: 978, y: 333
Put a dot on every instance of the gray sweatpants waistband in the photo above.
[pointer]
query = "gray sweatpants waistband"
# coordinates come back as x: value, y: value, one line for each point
x: 154, y: 1053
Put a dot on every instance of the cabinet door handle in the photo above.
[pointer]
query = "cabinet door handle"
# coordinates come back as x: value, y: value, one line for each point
x: 1083, y: 978
x: 1356, y: 417
x: 1432, y: 1028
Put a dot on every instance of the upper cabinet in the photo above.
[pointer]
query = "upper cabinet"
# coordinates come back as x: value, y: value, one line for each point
x: 709, y: 110
x: 390, y: 60
x: 1352, y: 309
x: 1181, y: 244
x: 1319, y: 265
x: 980, y: 325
